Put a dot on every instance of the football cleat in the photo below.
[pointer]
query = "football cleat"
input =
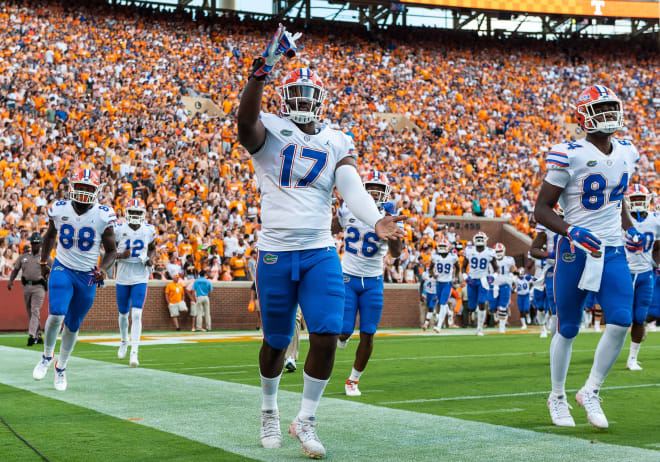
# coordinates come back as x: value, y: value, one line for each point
x: 544, y: 331
x: 352, y: 388
x: 271, y: 435
x: 133, y: 362
x: 342, y: 343
x: 41, y: 369
x: 290, y: 365
x: 60, y: 378
x: 480, y: 332
x: 652, y: 327
x: 425, y: 325
x: 436, y: 329
x: 559, y: 411
x: 590, y: 401
x: 305, y: 431
x: 633, y: 365
x: 121, y: 354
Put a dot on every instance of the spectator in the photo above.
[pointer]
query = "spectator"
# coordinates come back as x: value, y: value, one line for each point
x: 202, y: 287
x: 174, y: 294
x: 238, y: 267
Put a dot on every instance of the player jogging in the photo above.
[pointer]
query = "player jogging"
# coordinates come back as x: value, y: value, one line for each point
x: 363, y: 274
x: 80, y: 225
x: 589, y: 177
x: 136, y: 248
x: 478, y: 258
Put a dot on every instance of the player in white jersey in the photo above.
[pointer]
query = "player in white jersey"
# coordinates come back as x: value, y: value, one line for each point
x: 642, y: 265
x: 80, y: 225
x: 478, y: 258
x: 446, y: 268
x: 506, y: 267
x: 523, y: 285
x: 135, y: 249
x: 588, y: 178
x: 429, y: 294
x: 363, y: 274
x: 543, y: 251
x: 297, y: 162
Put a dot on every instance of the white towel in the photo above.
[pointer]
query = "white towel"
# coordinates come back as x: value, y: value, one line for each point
x: 592, y: 273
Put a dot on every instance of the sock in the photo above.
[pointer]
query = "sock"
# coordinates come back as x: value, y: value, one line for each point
x: 546, y: 320
x: 51, y: 329
x: 269, y: 392
x: 444, y: 309
x: 66, y: 348
x: 553, y: 325
x: 481, y: 315
x: 589, y: 317
x: 136, y: 328
x: 355, y: 375
x: 597, y: 324
x: 560, y: 358
x: 312, y: 392
x: 634, y: 348
x: 429, y: 315
x: 123, y: 326
x: 523, y: 322
x: 607, y: 351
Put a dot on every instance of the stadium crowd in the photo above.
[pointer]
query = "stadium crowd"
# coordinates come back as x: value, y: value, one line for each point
x: 99, y: 86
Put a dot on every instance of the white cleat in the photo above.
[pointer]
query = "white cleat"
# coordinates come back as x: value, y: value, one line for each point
x: 652, y: 327
x: 341, y: 344
x: 544, y: 332
x: 590, y: 401
x: 121, y: 354
x: 352, y: 388
x: 41, y: 369
x: 633, y: 365
x: 305, y: 431
x: 436, y: 329
x: 133, y: 362
x: 480, y: 332
x: 560, y: 411
x: 271, y: 435
x: 425, y: 326
x: 60, y: 378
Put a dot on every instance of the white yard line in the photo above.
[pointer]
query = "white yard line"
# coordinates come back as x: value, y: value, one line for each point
x: 228, y: 418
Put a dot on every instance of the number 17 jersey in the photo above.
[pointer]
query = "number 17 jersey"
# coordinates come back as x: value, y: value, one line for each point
x: 594, y: 184
x: 296, y: 174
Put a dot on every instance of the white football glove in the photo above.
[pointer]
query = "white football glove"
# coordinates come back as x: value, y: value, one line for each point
x: 282, y: 43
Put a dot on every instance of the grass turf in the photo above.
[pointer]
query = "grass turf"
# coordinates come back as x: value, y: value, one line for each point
x: 418, y: 373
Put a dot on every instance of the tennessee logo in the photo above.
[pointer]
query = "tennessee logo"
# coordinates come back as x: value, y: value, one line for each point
x: 591, y: 163
x: 269, y: 259
x: 568, y: 257
x: 347, y: 279
x: 286, y: 132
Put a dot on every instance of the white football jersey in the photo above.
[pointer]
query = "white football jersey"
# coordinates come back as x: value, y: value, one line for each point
x: 523, y: 286
x: 594, y: 184
x: 444, y: 266
x: 79, y: 236
x: 504, y: 265
x: 479, y: 261
x: 430, y: 284
x: 364, y: 250
x: 132, y: 270
x: 296, y: 173
x: 641, y: 262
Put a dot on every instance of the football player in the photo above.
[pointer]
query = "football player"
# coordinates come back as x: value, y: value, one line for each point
x: 80, y: 225
x: 589, y: 178
x: 543, y: 250
x: 446, y: 268
x: 638, y: 199
x: 363, y: 274
x: 478, y: 258
x: 297, y: 162
x: 136, y: 247
x: 429, y: 294
x: 502, y: 281
x: 522, y: 285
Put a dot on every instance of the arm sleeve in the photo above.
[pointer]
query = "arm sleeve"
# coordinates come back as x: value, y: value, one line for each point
x: 356, y: 197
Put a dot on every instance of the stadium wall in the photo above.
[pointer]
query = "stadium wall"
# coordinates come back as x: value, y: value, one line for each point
x: 229, y: 301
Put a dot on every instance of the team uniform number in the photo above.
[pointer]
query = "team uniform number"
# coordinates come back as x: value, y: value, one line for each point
x: 138, y: 245
x: 367, y: 245
x: 83, y: 238
x: 593, y: 191
x: 481, y: 263
x: 288, y: 155
x: 443, y: 268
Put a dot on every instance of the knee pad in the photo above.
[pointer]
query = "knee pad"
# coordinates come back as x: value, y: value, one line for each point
x: 569, y: 330
x: 278, y: 341
x: 620, y: 317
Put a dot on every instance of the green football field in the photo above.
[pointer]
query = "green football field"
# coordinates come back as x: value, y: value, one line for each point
x: 424, y: 397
